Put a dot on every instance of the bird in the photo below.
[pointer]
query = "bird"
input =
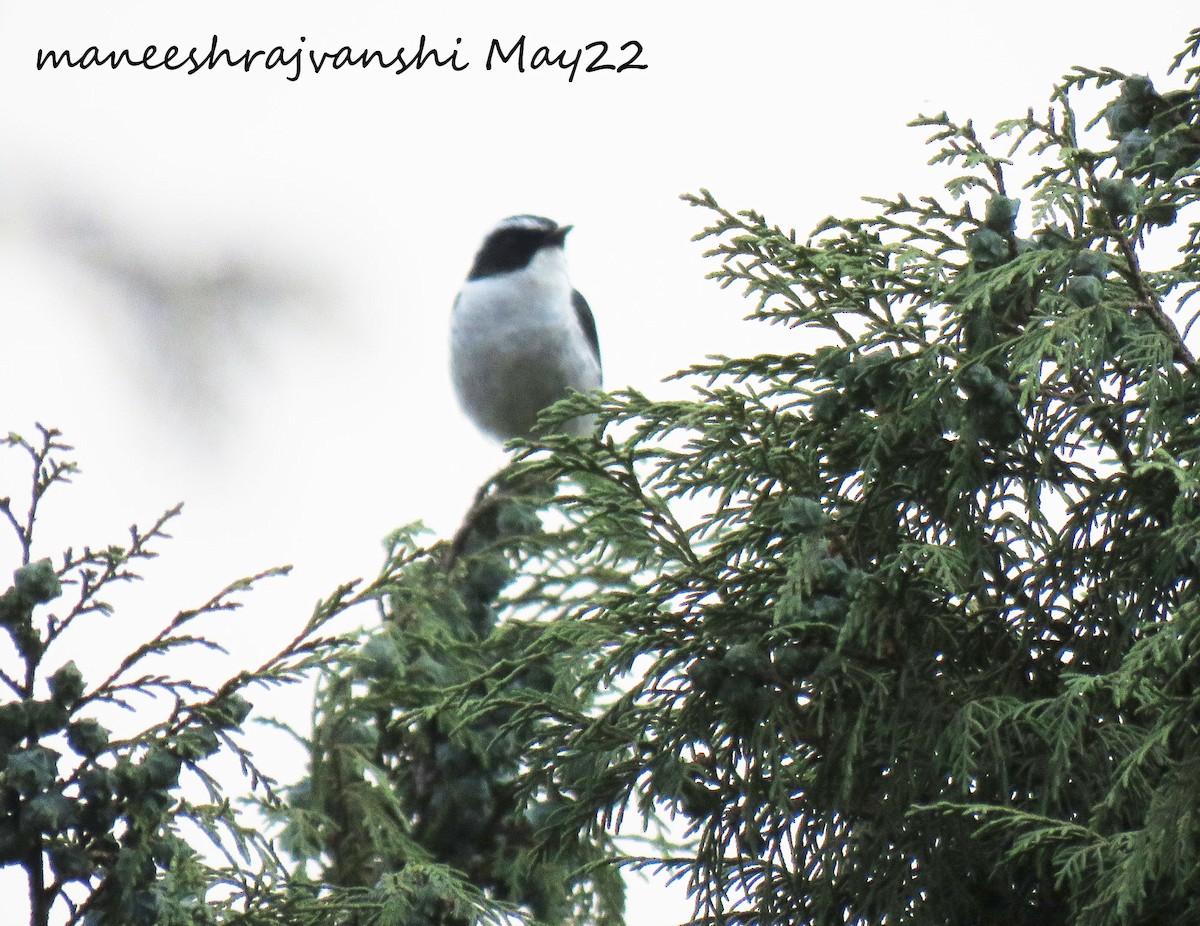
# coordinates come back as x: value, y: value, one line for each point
x: 521, y: 336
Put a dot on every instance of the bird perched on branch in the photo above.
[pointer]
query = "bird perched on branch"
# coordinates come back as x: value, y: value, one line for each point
x: 521, y: 336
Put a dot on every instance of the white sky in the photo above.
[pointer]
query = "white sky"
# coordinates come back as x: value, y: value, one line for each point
x: 302, y: 426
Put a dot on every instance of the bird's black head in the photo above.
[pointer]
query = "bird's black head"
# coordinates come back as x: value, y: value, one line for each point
x: 513, y: 242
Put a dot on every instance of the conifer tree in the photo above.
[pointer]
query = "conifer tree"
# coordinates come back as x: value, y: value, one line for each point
x: 110, y: 803
x: 402, y: 784
x: 926, y: 647
x: 899, y: 624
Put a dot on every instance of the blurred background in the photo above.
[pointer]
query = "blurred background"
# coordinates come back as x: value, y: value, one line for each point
x: 233, y: 290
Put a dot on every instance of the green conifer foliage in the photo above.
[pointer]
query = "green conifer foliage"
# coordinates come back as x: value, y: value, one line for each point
x: 111, y: 801
x: 900, y: 624
x: 128, y: 828
x: 419, y: 737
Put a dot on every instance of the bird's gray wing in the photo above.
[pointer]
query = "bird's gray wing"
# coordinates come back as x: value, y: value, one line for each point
x: 584, y: 313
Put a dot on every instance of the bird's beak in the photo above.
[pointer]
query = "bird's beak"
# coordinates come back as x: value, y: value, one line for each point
x: 561, y: 234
